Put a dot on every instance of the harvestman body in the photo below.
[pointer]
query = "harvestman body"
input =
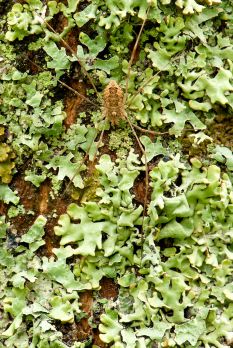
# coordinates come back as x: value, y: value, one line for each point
x: 113, y: 103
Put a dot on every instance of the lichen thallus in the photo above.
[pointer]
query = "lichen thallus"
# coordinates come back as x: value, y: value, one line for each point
x: 114, y: 103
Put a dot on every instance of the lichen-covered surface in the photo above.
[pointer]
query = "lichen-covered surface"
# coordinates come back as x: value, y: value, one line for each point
x: 85, y: 267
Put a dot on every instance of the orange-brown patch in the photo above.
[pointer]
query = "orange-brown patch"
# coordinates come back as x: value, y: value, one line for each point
x: 73, y: 103
x: 108, y: 288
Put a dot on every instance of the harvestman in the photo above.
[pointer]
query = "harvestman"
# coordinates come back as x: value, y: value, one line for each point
x: 114, y: 101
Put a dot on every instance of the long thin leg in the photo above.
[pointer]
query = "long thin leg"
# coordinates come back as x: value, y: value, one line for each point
x: 142, y: 86
x: 148, y: 131
x: 101, y: 135
x: 84, y: 159
x: 133, y: 54
x: 147, y: 81
x: 131, y: 125
x: 146, y: 171
x: 76, y: 92
x: 64, y: 84
x: 71, y: 51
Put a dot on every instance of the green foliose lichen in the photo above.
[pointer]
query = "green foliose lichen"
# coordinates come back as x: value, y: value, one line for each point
x: 170, y: 261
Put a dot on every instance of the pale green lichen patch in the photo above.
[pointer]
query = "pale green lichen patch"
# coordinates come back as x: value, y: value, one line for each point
x: 172, y: 264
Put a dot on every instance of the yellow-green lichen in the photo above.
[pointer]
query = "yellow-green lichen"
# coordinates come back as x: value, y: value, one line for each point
x: 120, y: 141
x: 6, y: 163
